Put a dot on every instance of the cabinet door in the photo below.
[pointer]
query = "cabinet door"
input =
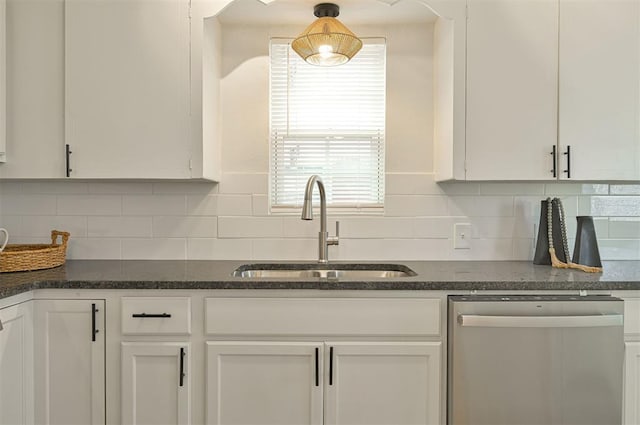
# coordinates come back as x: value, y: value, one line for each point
x: 3, y: 80
x: 512, y: 89
x: 69, y: 362
x: 632, y: 384
x: 35, y: 89
x: 267, y: 383
x: 127, y: 88
x: 155, y: 383
x: 383, y: 383
x: 16, y: 365
x: 599, y: 92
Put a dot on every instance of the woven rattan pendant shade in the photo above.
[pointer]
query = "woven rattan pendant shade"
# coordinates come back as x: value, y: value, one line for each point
x: 326, y: 42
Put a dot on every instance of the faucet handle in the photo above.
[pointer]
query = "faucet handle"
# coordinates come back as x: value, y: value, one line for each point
x: 335, y: 240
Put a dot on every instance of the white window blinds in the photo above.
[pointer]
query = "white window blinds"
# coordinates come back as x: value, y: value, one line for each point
x: 330, y: 122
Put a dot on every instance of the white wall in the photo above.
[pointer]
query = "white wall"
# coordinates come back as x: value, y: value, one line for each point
x: 139, y: 220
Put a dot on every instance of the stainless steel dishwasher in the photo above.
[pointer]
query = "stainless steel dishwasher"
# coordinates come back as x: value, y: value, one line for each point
x: 535, y: 360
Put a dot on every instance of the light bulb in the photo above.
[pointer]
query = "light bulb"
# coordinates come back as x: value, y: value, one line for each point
x: 325, y: 51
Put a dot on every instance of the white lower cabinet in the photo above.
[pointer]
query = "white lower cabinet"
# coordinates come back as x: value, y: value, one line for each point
x: 16, y: 365
x: 378, y: 383
x: 155, y: 383
x: 265, y: 382
x: 69, y: 362
x: 632, y: 384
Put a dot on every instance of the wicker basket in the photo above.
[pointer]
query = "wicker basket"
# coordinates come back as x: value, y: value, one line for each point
x: 18, y: 258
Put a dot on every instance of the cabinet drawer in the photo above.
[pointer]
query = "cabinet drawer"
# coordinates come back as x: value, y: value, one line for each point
x: 632, y: 316
x: 323, y: 316
x: 156, y: 315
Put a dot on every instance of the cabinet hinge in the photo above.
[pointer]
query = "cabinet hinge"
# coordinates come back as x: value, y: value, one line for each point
x: 190, y: 164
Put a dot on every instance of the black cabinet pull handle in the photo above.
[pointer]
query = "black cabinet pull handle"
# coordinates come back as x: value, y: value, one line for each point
x: 151, y: 316
x: 182, y: 353
x: 317, y: 369
x: 568, y: 153
x: 68, y: 159
x: 330, y: 365
x: 554, y: 156
x: 94, y: 331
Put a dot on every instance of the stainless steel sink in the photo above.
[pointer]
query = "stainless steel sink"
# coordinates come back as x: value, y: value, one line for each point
x: 328, y: 271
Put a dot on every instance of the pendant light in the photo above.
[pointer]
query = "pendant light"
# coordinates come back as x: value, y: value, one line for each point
x: 326, y: 42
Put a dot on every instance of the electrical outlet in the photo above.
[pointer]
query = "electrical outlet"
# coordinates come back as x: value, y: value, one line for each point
x: 462, y: 236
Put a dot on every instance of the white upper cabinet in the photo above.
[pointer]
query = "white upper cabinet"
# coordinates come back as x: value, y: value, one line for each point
x: 512, y: 66
x: 34, y: 89
x: 552, y: 92
x: 599, y: 89
x: 127, y: 88
x: 3, y: 80
x: 119, y: 82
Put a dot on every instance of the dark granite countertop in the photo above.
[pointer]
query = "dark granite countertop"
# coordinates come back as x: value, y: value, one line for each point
x: 431, y: 275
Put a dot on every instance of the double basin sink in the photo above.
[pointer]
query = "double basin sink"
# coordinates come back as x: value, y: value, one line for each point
x: 327, y: 271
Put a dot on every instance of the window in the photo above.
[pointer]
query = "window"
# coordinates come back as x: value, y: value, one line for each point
x: 330, y: 122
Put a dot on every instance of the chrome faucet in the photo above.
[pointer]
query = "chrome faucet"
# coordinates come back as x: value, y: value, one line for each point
x: 324, y: 240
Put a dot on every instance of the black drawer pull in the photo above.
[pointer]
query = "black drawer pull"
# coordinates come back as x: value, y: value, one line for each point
x: 94, y: 329
x: 182, y: 374
x: 145, y: 315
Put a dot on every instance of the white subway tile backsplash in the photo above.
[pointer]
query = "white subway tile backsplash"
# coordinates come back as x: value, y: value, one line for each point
x: 374, y: 228
x: 51, y: 188
x: 185, y: 226
x: 13, y: 224
x: 120, y: 188
x: 624, y: 189
x: 89, y: 205
x: 485, y: 249
x: 415, y: 205
x: 290, y: 249
x: 154, y: 205
x: 259, y: 205
x: 248, y: 183
x: 523, y: 249
x: 202, y: 205
x: 623, y: 228
x: 619, y: 249
x: 616, y: 206
x: 10, y: 187
x: 154, y: 249
x: 493, y: 227
x: 481, y: 206
x: 94, y: 249
x: 411, y: 184
x: 218, y: 249
x: 234, y: 205
x: 199, y: 220
x: 250, y: 227
x: 393, y: 249
x: 19, y: 204
x: 512, y: 189
x: 295, y: 227
x: 184, y: 188
x: 41, y: 226
x: 115, y: 226
x: 435, y: 227
x: 557, y: 189
x: 459, y: 188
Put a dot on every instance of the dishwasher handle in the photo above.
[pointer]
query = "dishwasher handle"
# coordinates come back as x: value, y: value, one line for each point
x: 540, y: 321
